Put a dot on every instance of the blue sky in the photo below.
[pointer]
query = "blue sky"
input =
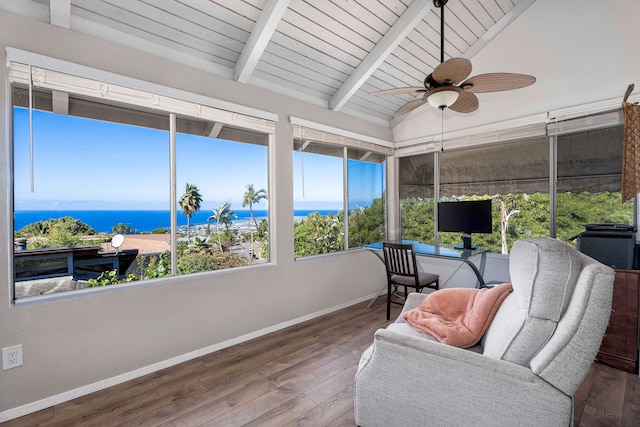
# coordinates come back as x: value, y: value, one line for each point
x: 89, y: 164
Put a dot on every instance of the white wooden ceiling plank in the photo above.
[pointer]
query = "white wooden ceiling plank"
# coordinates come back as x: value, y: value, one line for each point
x: 303, y: 37
x: 398, y: 31
x: 288, y: 55
x: 364, y: 15
x: 408, y: 62
x: 295, y: 77
x: 429, y: 40
x: 387, y: 103
x: 341, y: 28
x: 493, y: 9
x: 452, y: 39
x: 212, y: 19
x: 380, y: 81
x: 249, y: 10
x: 400, y: 73
x: 281, y: 40
x: 219, y: 56
x: 309, y: 72
x: 368, y: 107
x: 460, y: 11
x: 477, y: 9
x: 363, y: 99
x: 414, y: 70
x: 60, y: 13
x: 259, y: 38
x: 274, y: 84
x: 507, y: 5
x: 421, y: 48
x: 317, y: 36
x: 359, y: 24
x: 382, y: 11
x: 259, y: 4
x: 28, y: 8
x: 503, y: 23
x: 290, y: 86
x: 166, y: 22
x: 386, y: 77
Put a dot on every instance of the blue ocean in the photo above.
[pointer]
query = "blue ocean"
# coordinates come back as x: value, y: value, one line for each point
x: 139, y: 220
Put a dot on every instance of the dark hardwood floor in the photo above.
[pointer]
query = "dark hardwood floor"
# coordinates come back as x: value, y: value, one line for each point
x: 302, y: 375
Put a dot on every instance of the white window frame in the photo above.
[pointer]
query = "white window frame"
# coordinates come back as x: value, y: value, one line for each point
x: 39, y: 71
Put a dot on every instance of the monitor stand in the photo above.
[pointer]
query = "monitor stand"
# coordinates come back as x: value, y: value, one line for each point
x: 466, y: 242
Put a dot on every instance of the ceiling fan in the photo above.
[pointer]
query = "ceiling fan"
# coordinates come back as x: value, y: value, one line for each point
x: 446, y: 86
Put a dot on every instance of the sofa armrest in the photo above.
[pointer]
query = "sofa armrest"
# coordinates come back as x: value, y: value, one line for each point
x: 407, y: 380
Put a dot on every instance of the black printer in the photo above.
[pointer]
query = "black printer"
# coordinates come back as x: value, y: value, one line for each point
x: 611, y: 244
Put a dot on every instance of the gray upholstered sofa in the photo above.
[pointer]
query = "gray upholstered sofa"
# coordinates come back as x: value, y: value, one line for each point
x: 532, y: 359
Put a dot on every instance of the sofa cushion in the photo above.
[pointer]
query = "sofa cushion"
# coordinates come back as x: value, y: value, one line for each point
x: 544, y: 272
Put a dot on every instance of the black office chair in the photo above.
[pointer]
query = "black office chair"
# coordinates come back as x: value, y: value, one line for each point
x: 402, y: 270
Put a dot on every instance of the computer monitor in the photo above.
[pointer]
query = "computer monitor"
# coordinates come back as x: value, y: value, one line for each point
x: 465, y: 217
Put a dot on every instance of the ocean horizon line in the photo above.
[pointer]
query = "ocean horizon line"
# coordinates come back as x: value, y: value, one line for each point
x: 144, y: 221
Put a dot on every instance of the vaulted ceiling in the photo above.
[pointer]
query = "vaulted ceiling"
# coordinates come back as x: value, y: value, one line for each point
x: 334, y: 53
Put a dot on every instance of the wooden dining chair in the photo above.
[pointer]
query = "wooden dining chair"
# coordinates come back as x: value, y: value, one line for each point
x: 402, y: 270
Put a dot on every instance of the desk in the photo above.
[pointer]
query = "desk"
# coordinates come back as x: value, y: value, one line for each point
x: 425, y: 249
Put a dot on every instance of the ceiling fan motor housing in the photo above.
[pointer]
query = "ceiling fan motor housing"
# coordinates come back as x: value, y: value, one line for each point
x: 431, y: 83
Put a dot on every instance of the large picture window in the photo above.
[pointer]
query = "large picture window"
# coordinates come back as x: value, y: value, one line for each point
x: 324, y: 166
x: 94, y: 182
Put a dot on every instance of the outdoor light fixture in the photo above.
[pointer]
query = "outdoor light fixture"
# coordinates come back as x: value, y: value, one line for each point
x: 443, y: 97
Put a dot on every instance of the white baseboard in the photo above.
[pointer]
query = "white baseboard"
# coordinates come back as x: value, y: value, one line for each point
x: 57, y: 399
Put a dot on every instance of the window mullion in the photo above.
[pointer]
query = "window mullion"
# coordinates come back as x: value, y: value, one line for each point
x: 345, y: 196
x: 173, y: 195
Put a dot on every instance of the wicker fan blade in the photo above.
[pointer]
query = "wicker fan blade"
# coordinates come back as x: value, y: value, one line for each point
x: 452, y: 70
x: 467, y: 103
x: 400, y: 90
x: 496, y: 82
x: 409, y: 106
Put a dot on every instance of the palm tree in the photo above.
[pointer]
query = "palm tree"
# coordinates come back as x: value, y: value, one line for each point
x: 190, y: 204
x: 222, y: 215
x: 250, y: 197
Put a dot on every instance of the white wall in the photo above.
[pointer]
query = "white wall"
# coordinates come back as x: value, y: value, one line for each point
x: 80, y: 343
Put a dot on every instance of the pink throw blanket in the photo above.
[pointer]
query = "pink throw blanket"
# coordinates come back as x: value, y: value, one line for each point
x: 458, y: 316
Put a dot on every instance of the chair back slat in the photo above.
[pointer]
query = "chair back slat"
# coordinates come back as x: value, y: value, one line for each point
x: 399, y: 258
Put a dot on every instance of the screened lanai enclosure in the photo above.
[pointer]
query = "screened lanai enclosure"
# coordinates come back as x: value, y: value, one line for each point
x: 539, y: 187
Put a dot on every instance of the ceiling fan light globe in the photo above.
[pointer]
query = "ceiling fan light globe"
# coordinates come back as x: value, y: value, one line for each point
x: 443, y: 98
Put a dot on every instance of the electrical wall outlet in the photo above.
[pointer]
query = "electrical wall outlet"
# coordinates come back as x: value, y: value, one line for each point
x: 11, y: 357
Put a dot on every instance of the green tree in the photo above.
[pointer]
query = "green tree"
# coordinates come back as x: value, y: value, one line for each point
x: 318, y: 234
x: 417, y: 219
x: 123, y: 229
x: 190, y: 204
x: 252, y: 197
x: 366, y: 225
x: 56, y: 232
x: 222, y: 215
